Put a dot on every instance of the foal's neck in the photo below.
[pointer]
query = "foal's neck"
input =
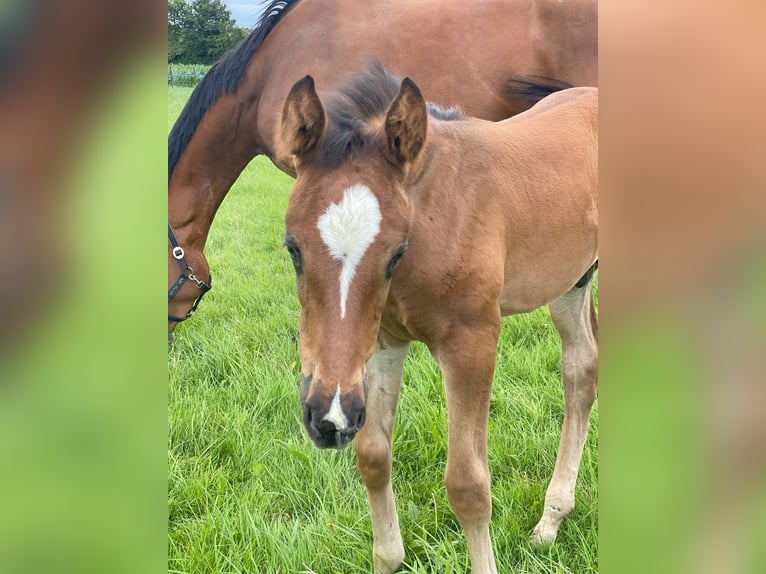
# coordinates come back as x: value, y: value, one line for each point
x: 437, y: 162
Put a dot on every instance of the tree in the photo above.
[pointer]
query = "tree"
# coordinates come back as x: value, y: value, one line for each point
x: 200, y: 31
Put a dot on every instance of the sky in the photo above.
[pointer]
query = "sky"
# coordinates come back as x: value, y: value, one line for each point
x: 245, y: 12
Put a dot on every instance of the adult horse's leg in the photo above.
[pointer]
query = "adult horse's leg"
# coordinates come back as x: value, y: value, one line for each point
x: 373, y: 452
x: 575, y: 319
x: 468, y: 367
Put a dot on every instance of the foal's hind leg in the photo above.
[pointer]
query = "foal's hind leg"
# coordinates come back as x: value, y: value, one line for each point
x: 575, y: 319
x: 373, y: 452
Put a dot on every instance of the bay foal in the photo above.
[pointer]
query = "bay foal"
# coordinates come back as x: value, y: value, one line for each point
x: 411, y: 222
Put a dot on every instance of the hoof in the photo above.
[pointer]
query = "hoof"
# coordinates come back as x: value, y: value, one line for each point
x: 540, y: 539
x: 390, y: 563
x: 544, y: 534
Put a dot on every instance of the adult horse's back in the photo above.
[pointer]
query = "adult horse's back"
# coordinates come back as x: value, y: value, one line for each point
x: 476, y: 55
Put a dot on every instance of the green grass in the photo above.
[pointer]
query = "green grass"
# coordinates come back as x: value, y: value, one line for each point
x: 247, y: 490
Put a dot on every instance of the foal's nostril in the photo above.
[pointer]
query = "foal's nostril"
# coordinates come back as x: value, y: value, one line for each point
x: 308, y: 419
x: 360, y: 419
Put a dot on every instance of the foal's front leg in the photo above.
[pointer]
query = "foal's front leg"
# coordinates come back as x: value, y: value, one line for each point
x: 468, y: 367
x: 373, y: 452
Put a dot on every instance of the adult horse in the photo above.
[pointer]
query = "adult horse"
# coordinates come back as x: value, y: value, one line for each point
x: 415, y: 223
x: 477, y: 55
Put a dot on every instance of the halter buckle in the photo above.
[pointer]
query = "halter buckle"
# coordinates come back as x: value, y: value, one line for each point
x: 201, y: 285
x: 178, y: 253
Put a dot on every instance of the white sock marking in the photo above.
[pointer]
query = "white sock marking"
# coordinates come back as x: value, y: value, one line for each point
x: 336, y: 415
x: 348, y: 228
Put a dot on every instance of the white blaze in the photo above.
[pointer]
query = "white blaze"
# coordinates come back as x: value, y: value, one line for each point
x: 348, y: 228
x: 336, y: 415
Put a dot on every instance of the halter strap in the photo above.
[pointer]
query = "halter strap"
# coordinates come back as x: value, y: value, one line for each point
x: 180, y: 256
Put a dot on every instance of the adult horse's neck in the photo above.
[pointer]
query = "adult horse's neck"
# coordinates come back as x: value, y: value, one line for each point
x: 216, y: 154
x: 217, y: 134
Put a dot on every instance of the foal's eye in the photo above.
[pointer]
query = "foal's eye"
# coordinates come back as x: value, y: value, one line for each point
x: 395, y: 259
x: 295, y: 253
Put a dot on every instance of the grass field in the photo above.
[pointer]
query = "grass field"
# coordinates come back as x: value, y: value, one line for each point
x: 247, y: 490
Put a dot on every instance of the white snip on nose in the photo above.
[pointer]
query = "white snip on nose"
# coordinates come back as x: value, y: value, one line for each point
x: 336, y: 415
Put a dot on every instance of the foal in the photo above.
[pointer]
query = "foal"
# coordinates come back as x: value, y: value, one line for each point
x: 410, y: 222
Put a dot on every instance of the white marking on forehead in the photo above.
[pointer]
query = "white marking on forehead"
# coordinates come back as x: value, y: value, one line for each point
x: 348, y: 228
x: 336, y: 415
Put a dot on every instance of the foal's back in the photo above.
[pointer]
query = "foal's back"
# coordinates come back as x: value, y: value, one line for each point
x: 550, y: 197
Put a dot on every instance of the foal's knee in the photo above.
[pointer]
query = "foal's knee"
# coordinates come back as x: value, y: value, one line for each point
x: 373, y: 457
x: 468, y: 490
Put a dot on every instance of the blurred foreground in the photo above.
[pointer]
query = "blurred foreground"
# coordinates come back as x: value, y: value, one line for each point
x: 82, y: 204
x: 682, y: 286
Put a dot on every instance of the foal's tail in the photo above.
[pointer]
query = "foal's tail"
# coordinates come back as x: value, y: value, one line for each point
x: 528, y: 90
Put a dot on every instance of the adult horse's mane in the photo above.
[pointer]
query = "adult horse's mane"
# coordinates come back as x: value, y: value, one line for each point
x: 223, y: 78
x: 367, y: 95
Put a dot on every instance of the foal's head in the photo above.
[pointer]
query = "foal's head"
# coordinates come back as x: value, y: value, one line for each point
x: 346, y: 230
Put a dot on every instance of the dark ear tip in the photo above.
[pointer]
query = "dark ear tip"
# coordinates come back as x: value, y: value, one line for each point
x: 305, y: 83
x: 408, y: 83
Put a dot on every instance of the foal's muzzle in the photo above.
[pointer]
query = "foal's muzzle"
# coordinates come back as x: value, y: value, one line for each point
x: 331, y: 422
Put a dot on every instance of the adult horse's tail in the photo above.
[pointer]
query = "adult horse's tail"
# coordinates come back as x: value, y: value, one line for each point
x: 531, y: 90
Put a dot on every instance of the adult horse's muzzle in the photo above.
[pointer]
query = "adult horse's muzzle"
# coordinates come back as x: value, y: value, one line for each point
x: 332, y: 419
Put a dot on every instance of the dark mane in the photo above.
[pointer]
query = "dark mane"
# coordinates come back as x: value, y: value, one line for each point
x: 223, y: 78
x: 367, y: 95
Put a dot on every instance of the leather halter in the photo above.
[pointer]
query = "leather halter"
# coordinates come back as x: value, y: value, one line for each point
x: 178, y: 254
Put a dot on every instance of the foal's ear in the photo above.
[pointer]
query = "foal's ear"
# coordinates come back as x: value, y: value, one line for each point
x: 302, y: 118
x: 406, y: 123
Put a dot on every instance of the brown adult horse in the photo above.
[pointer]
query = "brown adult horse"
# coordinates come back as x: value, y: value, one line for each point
x: 415, y: 223
x: 459, y: 52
